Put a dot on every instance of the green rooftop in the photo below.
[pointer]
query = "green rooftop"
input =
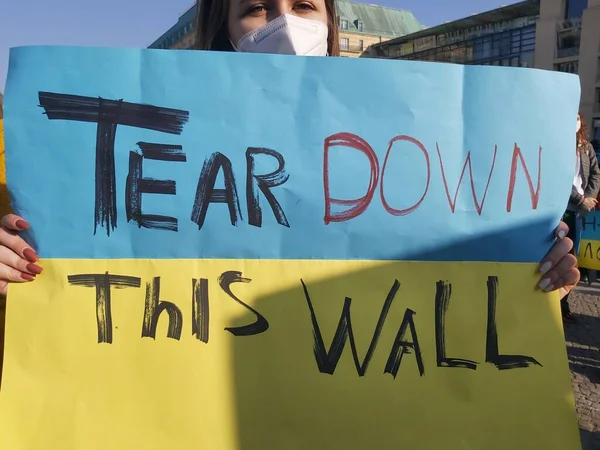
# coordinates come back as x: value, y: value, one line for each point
x: 377, y: 20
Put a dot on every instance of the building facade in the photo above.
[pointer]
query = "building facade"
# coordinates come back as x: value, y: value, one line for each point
x: 181, y: 35
x: 568, y: 39
x: 559, y: 35
x: 360, y: 26
x: 502, y: 37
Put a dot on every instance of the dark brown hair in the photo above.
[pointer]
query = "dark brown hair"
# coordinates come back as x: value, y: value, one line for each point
x: 582, y: 134
x: 212, y: 32
x: 1, y: 102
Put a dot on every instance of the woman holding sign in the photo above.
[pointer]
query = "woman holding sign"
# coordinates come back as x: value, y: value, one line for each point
x: 586, y: 186
x: 293, y: 27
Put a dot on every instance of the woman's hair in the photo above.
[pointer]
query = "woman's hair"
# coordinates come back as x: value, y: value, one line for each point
x: 212, y: 32
x: 1, y: 102
x: 582, y: 134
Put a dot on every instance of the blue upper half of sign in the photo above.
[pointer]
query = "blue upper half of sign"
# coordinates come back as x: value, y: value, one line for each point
x: 128, y: 153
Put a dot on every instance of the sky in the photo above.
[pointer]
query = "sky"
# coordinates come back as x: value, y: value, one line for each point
x: 137, y: 23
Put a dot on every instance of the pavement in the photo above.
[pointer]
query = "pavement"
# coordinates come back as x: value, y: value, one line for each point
x: 583, y: 349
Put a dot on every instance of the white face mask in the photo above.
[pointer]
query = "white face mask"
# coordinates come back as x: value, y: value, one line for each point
x: 287, y: 35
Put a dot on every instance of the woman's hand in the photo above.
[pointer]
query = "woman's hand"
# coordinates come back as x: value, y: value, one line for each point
x: 589, y: 203
x: 17, y: 258
x: 559, y: 267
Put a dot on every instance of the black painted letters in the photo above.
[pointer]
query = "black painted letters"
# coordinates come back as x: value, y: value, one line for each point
x: 154, y: 307
x: 137, y: 185
x: 327, y: 360
x: 255, y: 182
x: 260, y: 325
x: 108, y: 114
x: 492, y: 354
x: 406, y: 341
x: 442, y: 301
x: 103, y: 283
x: 207, y: 194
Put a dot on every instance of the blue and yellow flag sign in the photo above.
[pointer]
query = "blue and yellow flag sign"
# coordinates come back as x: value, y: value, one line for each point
x: 589, y: 244
x: 247, y: 251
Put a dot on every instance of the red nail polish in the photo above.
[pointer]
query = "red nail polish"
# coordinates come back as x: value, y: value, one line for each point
x: 30, y: 255
x: 21, y: 224
x: 34, y: 268
x: 27, y: 277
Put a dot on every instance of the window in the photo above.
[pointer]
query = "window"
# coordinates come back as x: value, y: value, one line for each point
x: 361, y: 45
x: 567, y: 67
x: 344, y: 43
x: 344, y: 24
x: 360, y: 26
x: 505, y: 48
x: 487, y: 49
x: 575, y: 8
x: 595, y: 137
x: 527, y: 59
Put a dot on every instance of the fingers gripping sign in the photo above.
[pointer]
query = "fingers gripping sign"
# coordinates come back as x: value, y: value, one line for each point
x: 559, y: 267
x: 17, y: 258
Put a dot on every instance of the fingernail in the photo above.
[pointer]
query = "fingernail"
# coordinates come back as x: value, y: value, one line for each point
x: 562, y: 234
x: 545, y: 283
x: 549, y: 288
x: 21, y: 224
x: 34, y: 268
x: 30, y: 255
x: 27, y: 276
x: 546, y: 267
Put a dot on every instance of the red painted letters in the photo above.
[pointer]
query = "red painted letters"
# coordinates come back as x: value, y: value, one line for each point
x: 535, y: 196
x: 355, y: 207
x: 359, y: 205
x: 452, y: 202
x: 388, y: 208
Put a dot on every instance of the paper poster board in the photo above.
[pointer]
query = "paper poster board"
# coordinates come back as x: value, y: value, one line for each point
x: 250, y: 251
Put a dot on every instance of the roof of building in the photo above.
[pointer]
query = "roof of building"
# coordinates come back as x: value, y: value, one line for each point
x: 376, y: 20
x: 522, y: 9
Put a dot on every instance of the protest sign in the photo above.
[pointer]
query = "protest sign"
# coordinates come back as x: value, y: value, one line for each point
x: 252, y: 251
x: 589, y: 242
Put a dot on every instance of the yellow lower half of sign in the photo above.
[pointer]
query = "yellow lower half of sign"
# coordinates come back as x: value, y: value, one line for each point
x: 290, y: 355
x: 589, y: 254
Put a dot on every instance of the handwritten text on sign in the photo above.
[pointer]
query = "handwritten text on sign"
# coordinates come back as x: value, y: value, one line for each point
x: 109, y: 114
x: 406, y: 341
x: 589, y: 245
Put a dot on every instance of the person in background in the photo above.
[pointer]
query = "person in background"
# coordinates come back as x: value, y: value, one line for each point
x: 584, y: 193
x: 291, y: 27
